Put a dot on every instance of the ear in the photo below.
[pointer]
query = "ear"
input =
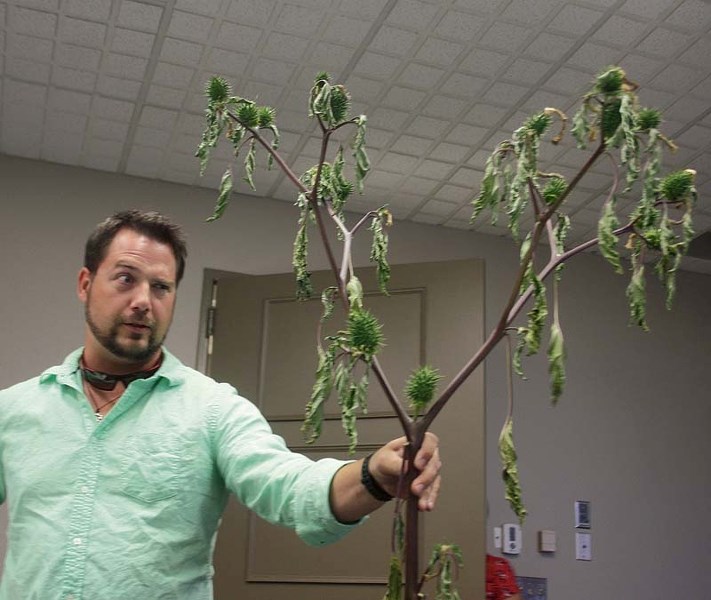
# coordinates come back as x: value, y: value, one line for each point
x: 84, y: 284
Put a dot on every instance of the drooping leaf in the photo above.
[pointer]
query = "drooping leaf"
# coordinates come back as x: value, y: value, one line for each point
x: 354, y: 289
x: 637, y: 297
x: 556, y: 361
x: 223, y: 199
x: 581, y: 127
x: 214, y: 124
x: 362, y: 165
x: 313, y: 419
x: 379, y: 247
x: 328, y: 297
x: 512, y: 484
x: 249, y: 164
x: 443, y: 565
x: 536, y: 316
x: 304, y: 288
x: 395, y: 589
x: 606, y: 226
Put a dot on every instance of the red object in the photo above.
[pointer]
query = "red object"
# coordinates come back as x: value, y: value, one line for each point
x: 500, y: 579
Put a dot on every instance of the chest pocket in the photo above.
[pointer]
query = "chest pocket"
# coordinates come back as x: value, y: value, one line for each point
x: 152, y: 467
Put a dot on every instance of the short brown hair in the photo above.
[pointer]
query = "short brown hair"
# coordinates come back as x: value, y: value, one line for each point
x: 151, y: 224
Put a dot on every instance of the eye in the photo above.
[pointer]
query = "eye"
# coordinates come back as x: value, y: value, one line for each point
x: 161, y: 288
x: 124, y: 278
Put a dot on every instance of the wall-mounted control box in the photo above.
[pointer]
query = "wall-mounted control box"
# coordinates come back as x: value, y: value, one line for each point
x: 512, y: 539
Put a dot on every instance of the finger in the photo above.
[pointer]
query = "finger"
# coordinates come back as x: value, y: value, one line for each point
x: 428, y: 500
x: 427, y: 451
x: 429, y: 474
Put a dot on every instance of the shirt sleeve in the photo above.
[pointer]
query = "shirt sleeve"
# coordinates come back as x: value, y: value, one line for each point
x: 281, y: 486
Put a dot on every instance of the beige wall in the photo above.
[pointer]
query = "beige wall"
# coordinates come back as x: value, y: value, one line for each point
x: 630, y: 433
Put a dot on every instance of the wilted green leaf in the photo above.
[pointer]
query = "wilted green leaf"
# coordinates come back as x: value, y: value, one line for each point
x: 223, y: 199
x: 556, y: 362
x: 637, y: 297
x: 536, y: 316
x: 395, y: 589
x: 379, y: 247
x: 304, y: 288
x: 354, y: 289
x: 507, y: 451
x: 606, y: 226
x: 249, y: 164
x: 362, y: 165
x: 313, y: 420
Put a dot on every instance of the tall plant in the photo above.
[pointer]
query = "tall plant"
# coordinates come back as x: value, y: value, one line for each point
x: 610, y: 123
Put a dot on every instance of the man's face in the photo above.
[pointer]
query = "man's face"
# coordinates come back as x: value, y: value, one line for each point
x: 128, y: 302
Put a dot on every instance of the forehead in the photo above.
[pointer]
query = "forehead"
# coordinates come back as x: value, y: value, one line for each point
x: 142, y: 252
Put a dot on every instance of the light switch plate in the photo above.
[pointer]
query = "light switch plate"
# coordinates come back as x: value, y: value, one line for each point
x: 512, y: 538
x: 497, y: 538
x: 583, y: 546
x: 546, y: 541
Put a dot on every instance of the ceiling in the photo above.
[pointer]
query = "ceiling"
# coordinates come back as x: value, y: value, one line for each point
x: 117, y: 85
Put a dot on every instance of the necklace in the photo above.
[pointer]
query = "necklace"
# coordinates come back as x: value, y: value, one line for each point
x: 97, y: 406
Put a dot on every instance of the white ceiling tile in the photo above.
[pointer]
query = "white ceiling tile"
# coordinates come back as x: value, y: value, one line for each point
x: 116, y: 87
x: 485, y: 114
x: 140, y: 16
x: 112, y: 109
x: 189, y: 26
x: 377, y: 65
x: 173, y: 75
x: 693, y: 15
x: 145, y: 162
x: 530, y: 12
x: 698, y: 52
x: 69, y: 101
x: 219, y: 62
x: 695, y: 137
x: 418, y: 186
x: 254, y: 12
x: 427, y: 219
x: 459, y: 84
x: 526, y: 71
x: 676, y: 78
x: 24, y: 93
x: 27, y: 70
x: 439, y: 52
x: 133, y: 43
x: 403, y: 98
x: 478, y: 159
x: 263, y: 93
x: 570, y: 80
x: 329, y: 57
x: 459, y: 26
x: 663, y: 42
x: 542, y: 99
x: 48, y: 5
x: 505, y: 36
x: 391, y: 40
x: 640, y: 67
x: 165, y: 97
x: 202, y: 7
x: 365, y: 9
x: 468, y: 178
x: 160, y: 118
x: 434, y: 169
x: 444, y: 107
x: 151, y: 137
x: 398, y: 163
x: 574, y: 19
x: 298, y: 20
x: 78, y: 57
x: 388, y: 118
x: 24, y: 116
x: 346, y: 31
x: 275, y: 71
x: 92, y: 10
x: 237, y: 37
x: 484, y: 62
x: 410, y: 144
x: 548, y: 46
x: 103, y: 163
x: 454, y: 193
x: 439, y: 207
x: 448, y: 152
x: 181, y: 52
x: 377, y: 138
x: 73, y: 78
x: 420, y: 76
x: 620, y: 31
x: 594, y: 56
x: 29, y: 48
x: 645, y: 8
x: 125, y: 67
x: 505, y: 94
x: 378, y: 178
x: 61, y: 147
x: 686, y: 109
x: 23, y: 138
x: 412, y: 14
x: 469, y: 135
x: 109, y: 130
x: 427, y: 127
x: 286, y: 47
x: 82, y: 33
x: 32, y: 22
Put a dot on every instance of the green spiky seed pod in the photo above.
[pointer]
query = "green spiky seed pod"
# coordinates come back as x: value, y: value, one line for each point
x: 653, y: 239
x: 217, y: 89
x: 365, y: 334
x: 421, y: 387
x: 648, y: 118
x: 610, y: 118
x: 610, y: 81
x: 340, y: 103
x: 248, y: 115
x: 538, y: 123
x: 322, y: 76
x: 676, y: 186
x: 265, y: 116
x: 554, y: 189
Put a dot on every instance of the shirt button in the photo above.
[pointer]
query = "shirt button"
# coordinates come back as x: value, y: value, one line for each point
x: 77, y: 541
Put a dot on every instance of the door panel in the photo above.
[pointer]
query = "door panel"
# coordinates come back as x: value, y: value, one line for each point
x: 264, y: 344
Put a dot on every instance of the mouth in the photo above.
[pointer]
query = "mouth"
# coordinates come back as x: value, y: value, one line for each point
x: 137, y: 327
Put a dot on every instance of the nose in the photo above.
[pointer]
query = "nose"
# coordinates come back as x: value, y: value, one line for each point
x: 141, y: 300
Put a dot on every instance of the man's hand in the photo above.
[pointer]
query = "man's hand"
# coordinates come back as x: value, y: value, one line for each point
x: 386, y: 464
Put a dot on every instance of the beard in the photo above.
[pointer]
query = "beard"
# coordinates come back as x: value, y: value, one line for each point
x: 109, y: 340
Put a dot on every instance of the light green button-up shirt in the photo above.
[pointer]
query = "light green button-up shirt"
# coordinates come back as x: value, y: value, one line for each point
x: 127, y: 508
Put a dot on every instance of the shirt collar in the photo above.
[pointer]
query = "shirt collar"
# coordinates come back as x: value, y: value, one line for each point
x: 66, y: 373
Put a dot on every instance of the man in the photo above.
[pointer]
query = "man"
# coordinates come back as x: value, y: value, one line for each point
x: 117, y: 464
